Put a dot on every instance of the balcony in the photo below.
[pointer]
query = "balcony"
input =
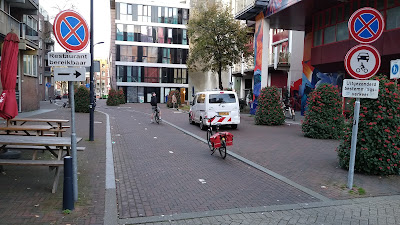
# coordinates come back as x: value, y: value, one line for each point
x: 248, y: 66
x: 8, y: 23
x: 27, y: 7
x: 249, y: 9
x: 282, y: 61
x: 28, y: 38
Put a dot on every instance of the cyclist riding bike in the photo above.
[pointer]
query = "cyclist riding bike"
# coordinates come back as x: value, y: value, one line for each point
x: 154, y: 107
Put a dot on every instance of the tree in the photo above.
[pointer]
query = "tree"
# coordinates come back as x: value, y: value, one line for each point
x: 217, y: 40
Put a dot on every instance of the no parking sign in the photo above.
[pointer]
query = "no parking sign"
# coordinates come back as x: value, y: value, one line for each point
x: 71, y: 31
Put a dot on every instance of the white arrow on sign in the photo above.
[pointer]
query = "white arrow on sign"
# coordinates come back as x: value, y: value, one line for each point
x: 69, y: 74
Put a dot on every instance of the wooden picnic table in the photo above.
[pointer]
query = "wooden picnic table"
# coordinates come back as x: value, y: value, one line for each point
x: 39, y: 129
x: 59, y: 122
x: 61, y: 144
x: 58, y: 129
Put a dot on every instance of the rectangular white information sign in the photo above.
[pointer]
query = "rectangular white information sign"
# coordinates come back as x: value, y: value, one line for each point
x: 353, y: 88
x: 69, y: 74
x: 69, y: 59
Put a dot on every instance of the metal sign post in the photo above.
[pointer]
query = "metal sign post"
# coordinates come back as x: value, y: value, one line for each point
x: 353, y: 144
x: 362, y: 62
x: 73, y: 142
x: 72, y: 33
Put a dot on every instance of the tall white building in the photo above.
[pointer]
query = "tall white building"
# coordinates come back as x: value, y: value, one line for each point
x: 149, y: 48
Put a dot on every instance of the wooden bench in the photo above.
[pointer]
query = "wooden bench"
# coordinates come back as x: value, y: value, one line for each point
x: 51, y: 144
x: 55, y: 163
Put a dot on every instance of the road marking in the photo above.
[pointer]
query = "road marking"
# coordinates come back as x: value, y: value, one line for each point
x: 171, y: 152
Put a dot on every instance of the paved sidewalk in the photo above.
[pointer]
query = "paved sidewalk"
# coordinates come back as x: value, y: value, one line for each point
x: 25, y: 192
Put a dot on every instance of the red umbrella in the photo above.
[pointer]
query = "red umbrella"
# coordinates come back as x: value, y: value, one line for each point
x: 8, y: 73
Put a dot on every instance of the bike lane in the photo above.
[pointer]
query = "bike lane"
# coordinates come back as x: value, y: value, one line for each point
x: 161, y: 171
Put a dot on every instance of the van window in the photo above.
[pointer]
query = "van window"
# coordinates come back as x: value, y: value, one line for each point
x: 201, y: 98
x: 222, y: 98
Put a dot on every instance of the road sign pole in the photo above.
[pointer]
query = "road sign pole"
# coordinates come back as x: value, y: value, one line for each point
x: 353, y: 144
x: 91, y: 119
x: 73, y: 142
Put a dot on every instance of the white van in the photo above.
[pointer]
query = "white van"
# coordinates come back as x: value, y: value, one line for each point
x: 207, y: 104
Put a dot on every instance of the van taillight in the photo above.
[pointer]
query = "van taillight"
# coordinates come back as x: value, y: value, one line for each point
x: 221, y: 92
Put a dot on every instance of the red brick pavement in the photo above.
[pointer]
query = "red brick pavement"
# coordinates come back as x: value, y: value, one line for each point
x: 283, y: 149
x: 25, y: 192
x: 158, y: 170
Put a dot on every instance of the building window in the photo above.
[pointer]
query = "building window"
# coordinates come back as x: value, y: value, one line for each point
x: 393, y: 18
x: 41, y: 78
x: 30, y: 65
x: 128, y: 53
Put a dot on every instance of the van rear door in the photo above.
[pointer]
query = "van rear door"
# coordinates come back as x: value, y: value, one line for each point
x: 223, y: 104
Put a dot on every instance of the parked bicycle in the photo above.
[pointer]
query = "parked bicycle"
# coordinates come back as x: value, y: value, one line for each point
x: 218, y: 140
x: 288, y: 112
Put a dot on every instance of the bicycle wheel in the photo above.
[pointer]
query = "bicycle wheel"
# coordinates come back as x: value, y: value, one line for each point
x: 222, y: 150
x: 209, y: 134
x: 156, y: 118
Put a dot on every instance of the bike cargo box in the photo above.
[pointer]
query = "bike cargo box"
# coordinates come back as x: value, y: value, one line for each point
x: 229, y: 138
x: 216, y: 139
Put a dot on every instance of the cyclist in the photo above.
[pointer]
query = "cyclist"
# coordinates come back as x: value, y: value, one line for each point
x: 154, y: 106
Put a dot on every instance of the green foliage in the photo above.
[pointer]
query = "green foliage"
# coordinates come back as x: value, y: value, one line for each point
x: 178, y: 98
x: 217, y: 39
x: 378, y: 139
x: 121, y: 97
x: 269, y: 109
x: 324, y: 118
x: 113, y: 98
x: 82, y: 99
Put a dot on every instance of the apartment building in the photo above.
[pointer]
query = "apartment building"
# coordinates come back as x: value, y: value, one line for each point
x: 149, y: 48
x: 26, y: 20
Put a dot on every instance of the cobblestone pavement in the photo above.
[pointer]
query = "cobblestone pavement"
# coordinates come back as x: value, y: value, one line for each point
x: 25, y: 192
x: 161, y: 171
x: 370, y: 211
x: 283, y: 149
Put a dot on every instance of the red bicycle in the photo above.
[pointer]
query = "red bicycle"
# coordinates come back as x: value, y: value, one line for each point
x: 218, y: 140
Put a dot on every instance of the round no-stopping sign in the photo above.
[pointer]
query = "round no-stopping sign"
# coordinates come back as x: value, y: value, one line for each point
x: 71, y: 31
x: 366, y: 25
x: 362, y: 61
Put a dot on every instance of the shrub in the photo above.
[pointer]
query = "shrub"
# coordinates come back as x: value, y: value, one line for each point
x: 112, y: 99
x: 121, y: 97
x: 324, y: 118
x: 82, y: 99
x: 378, y: 139
x: 178, y: 98
x: 269, y: 109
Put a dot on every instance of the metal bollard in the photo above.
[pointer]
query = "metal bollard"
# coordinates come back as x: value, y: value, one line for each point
x: 68, y: 192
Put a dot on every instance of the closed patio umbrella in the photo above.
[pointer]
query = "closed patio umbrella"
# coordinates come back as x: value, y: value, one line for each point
x: 8, y: 73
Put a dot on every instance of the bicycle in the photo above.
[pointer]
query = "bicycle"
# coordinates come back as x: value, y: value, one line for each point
x: 218, y: 140
x: 156, y: 116
x: 288, y: 110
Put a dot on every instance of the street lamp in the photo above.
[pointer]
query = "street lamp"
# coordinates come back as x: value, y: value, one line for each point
x: 91, y: 106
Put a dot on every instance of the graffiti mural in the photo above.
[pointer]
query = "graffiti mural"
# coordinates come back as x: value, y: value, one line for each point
x: 278, y: 5
x: 258, y: 45
x: 312, y: 78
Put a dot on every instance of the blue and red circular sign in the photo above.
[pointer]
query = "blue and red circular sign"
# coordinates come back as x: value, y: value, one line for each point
x: 366, y: 25
x: 362, y: 61
x: 71, y: 31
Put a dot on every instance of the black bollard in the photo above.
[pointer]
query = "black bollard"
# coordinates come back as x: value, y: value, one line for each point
x: 68, y: 192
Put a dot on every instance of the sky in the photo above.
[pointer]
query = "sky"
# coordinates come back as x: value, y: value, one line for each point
x: 101, y: 20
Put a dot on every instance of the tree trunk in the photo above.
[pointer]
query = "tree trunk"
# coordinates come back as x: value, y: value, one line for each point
x: 220, y: 77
